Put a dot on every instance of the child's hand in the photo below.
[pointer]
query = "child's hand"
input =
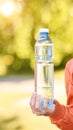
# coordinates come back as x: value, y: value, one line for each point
x: 35, y: 104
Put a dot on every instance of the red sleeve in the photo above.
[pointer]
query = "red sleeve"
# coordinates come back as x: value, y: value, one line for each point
x: 63, y: 115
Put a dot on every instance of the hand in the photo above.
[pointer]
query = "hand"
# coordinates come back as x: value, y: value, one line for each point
x: 35, y: 105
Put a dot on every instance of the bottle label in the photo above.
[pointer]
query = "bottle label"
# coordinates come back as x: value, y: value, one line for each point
x: 44, y: 52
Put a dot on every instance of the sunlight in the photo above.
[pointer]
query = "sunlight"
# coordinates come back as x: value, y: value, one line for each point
x: 7, y: 8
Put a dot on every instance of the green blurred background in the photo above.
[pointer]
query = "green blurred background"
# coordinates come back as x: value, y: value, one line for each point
x: 20, y: 21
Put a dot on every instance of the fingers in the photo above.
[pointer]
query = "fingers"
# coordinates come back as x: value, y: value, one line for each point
x: 36, y: 102
x: 44, y: 107
x: 37, y: 109
x: 49, y: 106
x: 45, y: 103
x: 33, y: 100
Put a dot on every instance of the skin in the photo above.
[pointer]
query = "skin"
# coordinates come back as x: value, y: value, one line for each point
x: 35, y: 105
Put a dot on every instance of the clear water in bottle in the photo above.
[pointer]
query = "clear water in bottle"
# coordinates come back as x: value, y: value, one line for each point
x: 44, y: 68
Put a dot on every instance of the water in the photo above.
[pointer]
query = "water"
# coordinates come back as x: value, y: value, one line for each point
x: 45, y: 79
x: 44, y: 68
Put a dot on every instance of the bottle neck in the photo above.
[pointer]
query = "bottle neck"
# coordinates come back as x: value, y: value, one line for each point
x: 44, y: 35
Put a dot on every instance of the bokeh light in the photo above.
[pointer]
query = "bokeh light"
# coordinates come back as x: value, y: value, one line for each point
x: 7, y: 8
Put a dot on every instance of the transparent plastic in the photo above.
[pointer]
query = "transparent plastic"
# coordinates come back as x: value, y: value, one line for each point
x: 44, y: 67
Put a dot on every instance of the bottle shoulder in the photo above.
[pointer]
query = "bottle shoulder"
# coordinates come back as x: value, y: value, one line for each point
x: 44, y: 43
x: 44, y: 39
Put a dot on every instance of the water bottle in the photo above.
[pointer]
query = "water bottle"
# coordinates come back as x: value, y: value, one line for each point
x: 44, y: 67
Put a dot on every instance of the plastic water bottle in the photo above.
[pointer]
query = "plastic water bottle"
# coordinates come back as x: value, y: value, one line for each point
x: 44, y: 67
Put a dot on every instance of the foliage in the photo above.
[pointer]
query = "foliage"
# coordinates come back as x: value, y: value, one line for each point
x: 19, y: 32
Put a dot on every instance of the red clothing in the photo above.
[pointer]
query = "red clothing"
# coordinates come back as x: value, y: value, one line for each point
x: 63, y: 115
